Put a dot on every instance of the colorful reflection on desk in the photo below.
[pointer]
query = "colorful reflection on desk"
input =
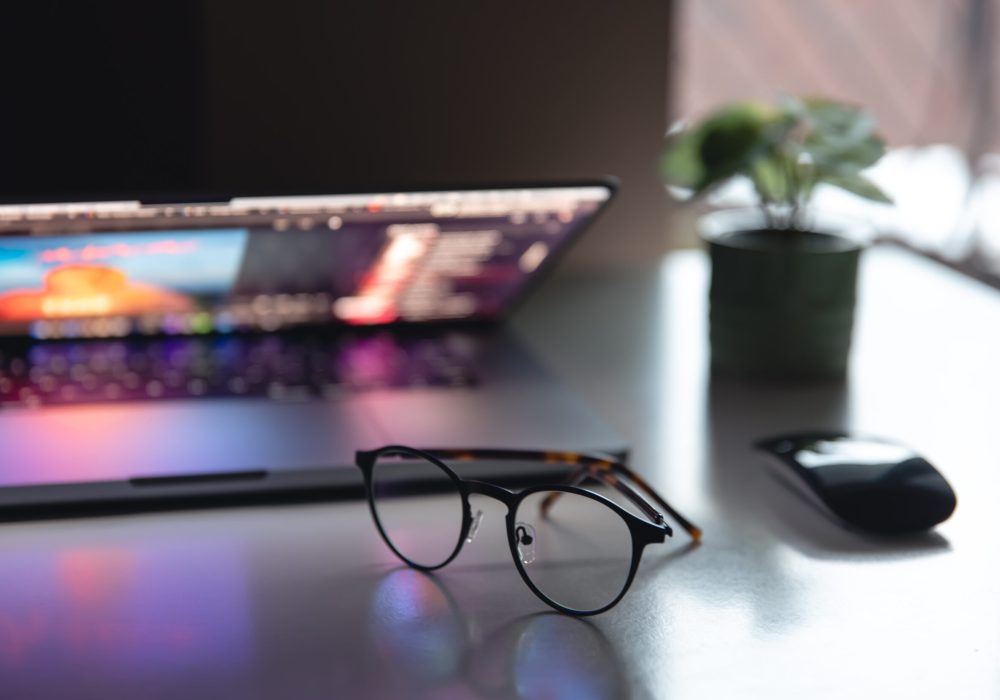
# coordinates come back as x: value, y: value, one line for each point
x: 124, y: 614
x: 416, y: 628
x: 559, y: 657
x: 429, y: 646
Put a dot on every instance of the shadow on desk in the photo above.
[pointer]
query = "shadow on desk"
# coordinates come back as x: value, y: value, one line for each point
x: 758, y: 492
x: 802, y: 521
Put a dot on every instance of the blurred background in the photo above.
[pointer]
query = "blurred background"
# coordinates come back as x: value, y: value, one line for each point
x: 200, y: 98
x: 928, y: 71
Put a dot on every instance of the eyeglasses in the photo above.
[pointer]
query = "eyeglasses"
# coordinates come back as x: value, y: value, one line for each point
x: 579, y: 558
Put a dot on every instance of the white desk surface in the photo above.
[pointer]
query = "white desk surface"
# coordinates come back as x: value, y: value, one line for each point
x: 303, y: 601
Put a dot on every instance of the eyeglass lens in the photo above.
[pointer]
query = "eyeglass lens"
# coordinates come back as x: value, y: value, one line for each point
x: 419, y: 507
x: 578, y: 555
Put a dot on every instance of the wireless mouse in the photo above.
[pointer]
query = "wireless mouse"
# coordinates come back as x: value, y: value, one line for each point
x: 871, y: 483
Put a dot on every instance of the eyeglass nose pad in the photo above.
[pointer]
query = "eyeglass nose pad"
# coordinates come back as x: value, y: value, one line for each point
x: 474, y: 527
x: 524, y: 535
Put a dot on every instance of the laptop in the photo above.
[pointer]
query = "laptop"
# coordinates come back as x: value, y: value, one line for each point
x: 248, y: 346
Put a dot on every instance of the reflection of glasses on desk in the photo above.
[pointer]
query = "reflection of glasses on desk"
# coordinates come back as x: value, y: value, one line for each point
x: 436, y: 649
x: 581, y: 562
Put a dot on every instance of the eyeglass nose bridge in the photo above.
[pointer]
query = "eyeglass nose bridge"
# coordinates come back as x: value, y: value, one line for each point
x: 474, y: 519
x: 508, y: 498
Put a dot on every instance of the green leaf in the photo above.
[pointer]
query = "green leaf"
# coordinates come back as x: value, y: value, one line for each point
x: 836, y: 121
x: 730, y: 140
x: 681, y: 165
x: 770, y: 178
x: 844, y: 157
x: 859, y: 185
x: 784, y: 151
x: 839, y: 137
x: 723, y: 144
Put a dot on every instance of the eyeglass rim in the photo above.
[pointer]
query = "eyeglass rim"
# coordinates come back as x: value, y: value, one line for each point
x: 366, y: 460
x: 642, y: 532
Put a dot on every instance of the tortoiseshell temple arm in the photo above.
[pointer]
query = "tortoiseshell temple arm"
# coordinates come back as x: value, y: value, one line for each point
x: 602, y: 469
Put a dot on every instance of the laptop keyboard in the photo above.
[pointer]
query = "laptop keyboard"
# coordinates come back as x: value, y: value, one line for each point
x: 286, y: 368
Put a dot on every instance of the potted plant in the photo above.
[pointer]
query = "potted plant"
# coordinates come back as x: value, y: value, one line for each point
x: 784, y: 276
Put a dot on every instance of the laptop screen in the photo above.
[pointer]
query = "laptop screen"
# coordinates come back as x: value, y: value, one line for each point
x: 111, y: 269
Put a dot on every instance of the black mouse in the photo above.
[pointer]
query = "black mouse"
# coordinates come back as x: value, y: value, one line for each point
x: 871, y: 483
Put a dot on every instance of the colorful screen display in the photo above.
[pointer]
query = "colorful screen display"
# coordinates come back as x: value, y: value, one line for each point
x: 112, y: 269
x: 124, y: 274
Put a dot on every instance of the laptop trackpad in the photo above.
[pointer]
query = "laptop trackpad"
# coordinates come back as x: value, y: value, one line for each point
x: 127, y: 440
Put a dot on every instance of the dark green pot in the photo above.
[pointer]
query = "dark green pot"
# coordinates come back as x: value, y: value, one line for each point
x: 782, y: 303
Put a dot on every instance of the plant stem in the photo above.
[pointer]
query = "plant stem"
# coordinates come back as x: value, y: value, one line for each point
x: 793, y: 190
x: 766, y: 203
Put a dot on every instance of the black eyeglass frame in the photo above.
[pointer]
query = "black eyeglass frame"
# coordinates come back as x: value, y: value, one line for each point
x: 642, y: 531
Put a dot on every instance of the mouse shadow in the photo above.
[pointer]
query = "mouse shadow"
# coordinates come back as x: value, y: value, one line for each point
x: 800, y: 519
x: 754, y: 486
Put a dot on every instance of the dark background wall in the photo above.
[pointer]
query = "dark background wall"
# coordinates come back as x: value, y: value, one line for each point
x: 253, y: 97
x: 99, y: 98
